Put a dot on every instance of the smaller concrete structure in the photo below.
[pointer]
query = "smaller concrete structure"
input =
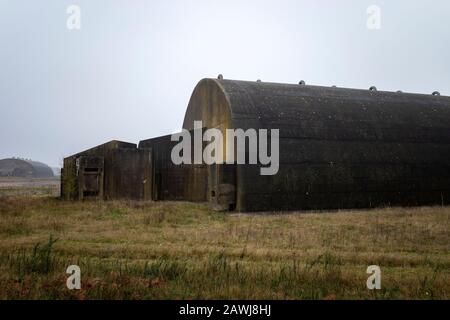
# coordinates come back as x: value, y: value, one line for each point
x: 114, y: 170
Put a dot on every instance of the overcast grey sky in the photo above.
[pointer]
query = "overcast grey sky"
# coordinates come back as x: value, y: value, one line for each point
x: 129, y: 71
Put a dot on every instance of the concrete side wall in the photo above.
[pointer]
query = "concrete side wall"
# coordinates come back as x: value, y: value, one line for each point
x: 174, y: 182
x: 69, y: 180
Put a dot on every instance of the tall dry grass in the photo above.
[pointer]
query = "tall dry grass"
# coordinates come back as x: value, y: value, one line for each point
x: 147, y: 250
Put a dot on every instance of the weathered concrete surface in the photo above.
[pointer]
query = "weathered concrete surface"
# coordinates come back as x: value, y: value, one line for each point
x: 339, y: 148
x: 118, y: 169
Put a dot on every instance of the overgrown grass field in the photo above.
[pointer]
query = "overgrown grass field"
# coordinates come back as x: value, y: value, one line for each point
x: 135, y: 250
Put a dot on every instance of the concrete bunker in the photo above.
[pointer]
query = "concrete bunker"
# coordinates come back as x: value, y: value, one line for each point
x: 114, y: 170
x: 339, y: 148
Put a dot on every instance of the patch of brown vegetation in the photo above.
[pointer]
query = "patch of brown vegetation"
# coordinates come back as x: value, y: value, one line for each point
x: 148, y: 250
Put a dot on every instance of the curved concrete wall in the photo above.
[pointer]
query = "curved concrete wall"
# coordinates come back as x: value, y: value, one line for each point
x: 339, y: 148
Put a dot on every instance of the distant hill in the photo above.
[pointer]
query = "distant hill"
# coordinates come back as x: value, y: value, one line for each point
x: 16, y: 167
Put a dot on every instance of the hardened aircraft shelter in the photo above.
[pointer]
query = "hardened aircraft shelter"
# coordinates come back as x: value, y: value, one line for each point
x: 338, y: 148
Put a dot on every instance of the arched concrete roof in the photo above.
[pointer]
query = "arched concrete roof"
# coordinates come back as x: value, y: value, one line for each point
x: 318, y: 112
